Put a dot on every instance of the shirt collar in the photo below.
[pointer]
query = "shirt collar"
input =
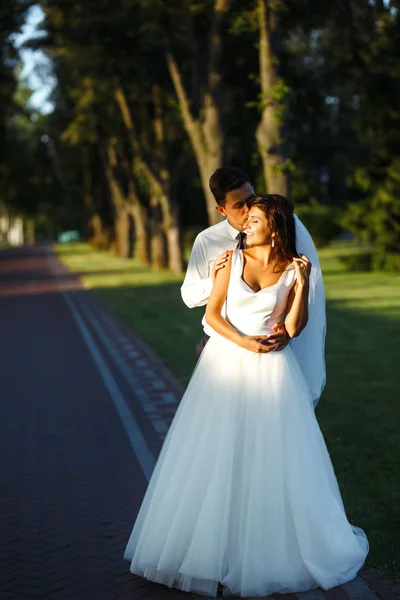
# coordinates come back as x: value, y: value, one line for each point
x: 233, y: 233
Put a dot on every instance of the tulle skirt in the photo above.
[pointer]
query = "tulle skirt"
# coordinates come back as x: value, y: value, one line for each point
x: 244, y: 492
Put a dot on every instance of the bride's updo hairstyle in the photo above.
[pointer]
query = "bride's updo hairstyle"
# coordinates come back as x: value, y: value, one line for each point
x: 279, y: 213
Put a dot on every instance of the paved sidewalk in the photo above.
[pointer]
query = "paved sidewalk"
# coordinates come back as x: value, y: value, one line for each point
x: 85, y: 407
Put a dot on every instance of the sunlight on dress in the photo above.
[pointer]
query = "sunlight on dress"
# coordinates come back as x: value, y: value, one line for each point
x: 244, y: 492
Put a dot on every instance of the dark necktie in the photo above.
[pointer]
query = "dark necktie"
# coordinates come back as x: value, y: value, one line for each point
x: 242, y: 238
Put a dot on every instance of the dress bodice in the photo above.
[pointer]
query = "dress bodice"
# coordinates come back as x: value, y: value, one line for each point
x: 254, y: 313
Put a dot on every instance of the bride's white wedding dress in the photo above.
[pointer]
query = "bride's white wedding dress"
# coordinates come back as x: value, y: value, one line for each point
x: 244, y: 492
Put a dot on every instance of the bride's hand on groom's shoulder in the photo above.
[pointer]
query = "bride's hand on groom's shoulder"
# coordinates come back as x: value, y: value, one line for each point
x: 255, y: 343
x: 303, y: 269
x: 219, y: 263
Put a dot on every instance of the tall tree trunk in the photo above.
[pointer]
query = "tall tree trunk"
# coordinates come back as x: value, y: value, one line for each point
x: 132, y: 207
x: 101, y: 237
x: 122, y: 227
x: 150, y: 240
x: 270, y: 129
x: 98, y: 233
x: 123, y: 233
x: 158, y: 241
x: 162, y: 188
x: 158, y: 180
x: 139, y: 215
x: 30, y: 231
x: 88, y: 199
x: 141, y: 238
x: 205, y: 132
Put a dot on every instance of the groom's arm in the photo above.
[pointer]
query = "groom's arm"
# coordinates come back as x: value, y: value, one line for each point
x: 197, y: 285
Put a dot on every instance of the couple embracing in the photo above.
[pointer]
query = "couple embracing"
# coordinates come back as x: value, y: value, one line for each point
x: 243, y: 498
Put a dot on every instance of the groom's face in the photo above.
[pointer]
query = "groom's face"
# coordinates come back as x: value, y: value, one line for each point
x: 235, y: 206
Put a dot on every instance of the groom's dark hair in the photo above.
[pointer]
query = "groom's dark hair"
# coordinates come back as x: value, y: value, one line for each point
x: 226, y: 179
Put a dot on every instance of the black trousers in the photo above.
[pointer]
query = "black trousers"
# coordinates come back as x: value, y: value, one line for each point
x: 201, y: 344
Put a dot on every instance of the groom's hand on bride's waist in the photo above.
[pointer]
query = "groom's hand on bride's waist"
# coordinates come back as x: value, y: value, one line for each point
x: 255, y: 343
x: 279, y: 338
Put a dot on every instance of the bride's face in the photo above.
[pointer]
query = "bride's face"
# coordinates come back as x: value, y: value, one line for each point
x: 257, y: 228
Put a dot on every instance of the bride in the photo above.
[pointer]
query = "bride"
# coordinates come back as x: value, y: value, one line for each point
x: 244, y: 494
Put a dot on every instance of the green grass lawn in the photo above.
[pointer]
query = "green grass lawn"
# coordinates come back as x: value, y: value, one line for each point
x: 359, y: 412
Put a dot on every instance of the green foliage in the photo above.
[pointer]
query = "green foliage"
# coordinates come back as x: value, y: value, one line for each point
x: 376, y: 220
x: 387, y: 261
x: 287, y: 166
x: 375, y: 217
x: 339, y: 94
x: 244, y: 22
x: 359, y: 261
x: 355, y: 220
x: 12, y: 14
x: 321, y: 221
x: 276, y: 96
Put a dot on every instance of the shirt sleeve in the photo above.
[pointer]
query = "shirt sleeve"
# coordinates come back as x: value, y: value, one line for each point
x: 197, y: 286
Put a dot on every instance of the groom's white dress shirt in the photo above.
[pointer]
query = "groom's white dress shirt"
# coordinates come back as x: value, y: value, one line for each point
x: 196, y: 288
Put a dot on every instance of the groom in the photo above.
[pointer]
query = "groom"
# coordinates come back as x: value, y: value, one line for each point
x: 231, y: 188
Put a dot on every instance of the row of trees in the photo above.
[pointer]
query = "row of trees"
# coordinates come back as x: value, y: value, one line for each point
x: 153, y: 95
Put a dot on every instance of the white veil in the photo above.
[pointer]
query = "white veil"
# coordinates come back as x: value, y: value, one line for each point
x: 309, y: 346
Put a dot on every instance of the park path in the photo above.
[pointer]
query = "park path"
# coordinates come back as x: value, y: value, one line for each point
x: 85, y: 406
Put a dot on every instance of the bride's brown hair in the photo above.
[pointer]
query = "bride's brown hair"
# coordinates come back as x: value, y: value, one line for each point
x: 279, y: 213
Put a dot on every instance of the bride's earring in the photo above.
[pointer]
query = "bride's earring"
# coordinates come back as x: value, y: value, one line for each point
x: 273, y: 242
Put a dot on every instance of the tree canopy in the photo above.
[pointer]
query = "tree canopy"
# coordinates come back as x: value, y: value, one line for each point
x: 152, y: 96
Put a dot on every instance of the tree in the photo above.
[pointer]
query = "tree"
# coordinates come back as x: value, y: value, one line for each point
x: 273, y: 99
x: 375, y: 217
x: 97, y: 79
x: 154, y: 167
x: 204, y: 129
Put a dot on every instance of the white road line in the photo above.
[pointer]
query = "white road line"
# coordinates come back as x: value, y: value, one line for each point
x: 136, y: 439
x: 134, y: 382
